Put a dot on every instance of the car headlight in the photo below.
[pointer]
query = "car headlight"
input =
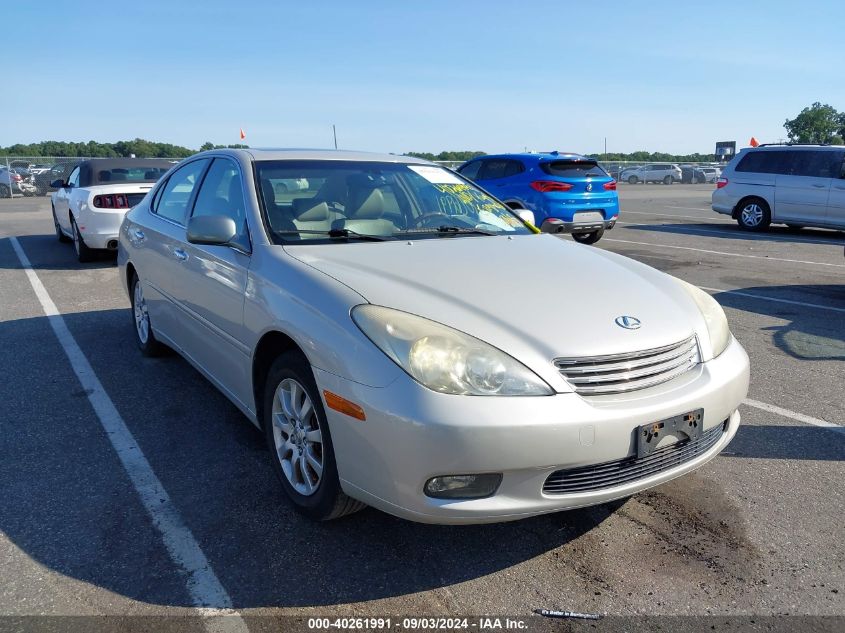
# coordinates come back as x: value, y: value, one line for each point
x: 717, y: 323
x: 444, y: 359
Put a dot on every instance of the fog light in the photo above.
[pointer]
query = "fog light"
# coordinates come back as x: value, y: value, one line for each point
x: 463, y: 486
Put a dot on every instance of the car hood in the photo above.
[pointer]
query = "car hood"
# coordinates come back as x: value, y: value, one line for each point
x: 536, y: 297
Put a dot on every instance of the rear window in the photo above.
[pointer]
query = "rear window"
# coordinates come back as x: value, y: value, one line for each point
x: 131, y: 174
x: 573, y: 168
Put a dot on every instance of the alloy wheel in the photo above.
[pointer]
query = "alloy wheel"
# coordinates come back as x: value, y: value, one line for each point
x: 752, y: 214
x: 297, y: 437
x: 142, y: 316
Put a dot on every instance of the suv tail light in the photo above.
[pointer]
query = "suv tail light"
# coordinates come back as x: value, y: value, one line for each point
x: 610, y: 186
x: 545, y: 186
x: 721, y: 183
x: 112, y: 201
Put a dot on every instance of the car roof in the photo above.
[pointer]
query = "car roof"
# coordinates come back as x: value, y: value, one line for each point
x: 793, y: 146
x: 539, y: 156
x: 260, y: 154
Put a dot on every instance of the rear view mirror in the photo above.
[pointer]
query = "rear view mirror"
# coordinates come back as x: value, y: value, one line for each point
x: 217, y: 230
x: 525, y: 215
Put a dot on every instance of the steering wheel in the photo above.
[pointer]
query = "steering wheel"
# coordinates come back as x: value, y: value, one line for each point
x: 418, y: 221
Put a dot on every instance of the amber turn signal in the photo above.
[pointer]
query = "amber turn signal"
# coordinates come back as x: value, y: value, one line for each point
x: 334, y: 401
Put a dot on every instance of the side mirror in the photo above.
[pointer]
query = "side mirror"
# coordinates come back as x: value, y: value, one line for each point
x: 215, y: 230
x: 58, y: 184
x: 526, y: 215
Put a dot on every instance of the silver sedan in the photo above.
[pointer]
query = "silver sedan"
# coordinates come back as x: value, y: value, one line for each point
x: 406, y: 341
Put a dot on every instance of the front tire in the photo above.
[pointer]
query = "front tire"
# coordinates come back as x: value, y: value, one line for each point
x: 588, y: 238
x: 83, y: 253
x: 144, y: 336
x: 754, y: 215
x: 299, y: 440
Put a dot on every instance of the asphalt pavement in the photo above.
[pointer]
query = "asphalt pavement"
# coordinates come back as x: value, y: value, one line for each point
x: 757, y: 531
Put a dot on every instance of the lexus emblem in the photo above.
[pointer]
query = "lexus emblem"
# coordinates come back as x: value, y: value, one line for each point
x: 589, y: 186
x: 628, y: 322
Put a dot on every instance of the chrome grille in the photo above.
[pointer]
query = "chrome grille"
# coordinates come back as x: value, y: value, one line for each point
x: 622, y: 471
x: 618, y: 373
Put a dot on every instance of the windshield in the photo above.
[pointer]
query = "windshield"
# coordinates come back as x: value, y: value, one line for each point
x: 322, y: 200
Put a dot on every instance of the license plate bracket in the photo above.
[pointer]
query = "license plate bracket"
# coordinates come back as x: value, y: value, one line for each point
x: 686, y: 426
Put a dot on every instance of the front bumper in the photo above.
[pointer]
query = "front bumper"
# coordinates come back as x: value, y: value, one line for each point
x: 412, y: 434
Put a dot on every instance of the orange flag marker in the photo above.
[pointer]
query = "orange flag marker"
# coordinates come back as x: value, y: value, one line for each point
x: 753, y: 142
x: 243, y: 134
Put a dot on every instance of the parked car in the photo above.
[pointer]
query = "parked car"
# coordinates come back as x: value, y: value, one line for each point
x: 10, y: 183
x: 568, y: 193
x: 692, y: 175
x: 89, y: 206
x: 667, y: 174
x: 796, y: 185
x: 711, y: 174
x: 392, y: 333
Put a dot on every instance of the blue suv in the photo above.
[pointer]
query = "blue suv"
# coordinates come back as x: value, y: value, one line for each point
x: 568, y: 193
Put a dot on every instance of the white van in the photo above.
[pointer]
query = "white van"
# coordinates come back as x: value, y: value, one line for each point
x: 796, y: 185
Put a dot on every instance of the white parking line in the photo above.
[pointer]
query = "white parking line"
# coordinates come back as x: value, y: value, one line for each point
x: 804, y: 304
x: 203, y: 585
x: 701, y: 250
x: 800, y: 417
x: 759, y: 237
x: 691, y: 208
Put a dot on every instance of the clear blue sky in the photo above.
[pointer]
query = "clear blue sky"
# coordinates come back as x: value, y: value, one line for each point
x: 427, y: 76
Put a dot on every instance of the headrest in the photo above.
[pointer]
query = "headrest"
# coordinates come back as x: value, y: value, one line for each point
x: 268, y: 192
x: 104, y: 176
x: 310, y: 210
x: 149, y: 175
x: 371, y: 207
x: 117, y: 175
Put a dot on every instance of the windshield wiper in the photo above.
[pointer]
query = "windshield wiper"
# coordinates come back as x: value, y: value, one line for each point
x: 338, y: 233
x: 450, y: 230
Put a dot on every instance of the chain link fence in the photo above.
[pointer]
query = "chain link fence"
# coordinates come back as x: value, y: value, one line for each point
x: 33, y: 175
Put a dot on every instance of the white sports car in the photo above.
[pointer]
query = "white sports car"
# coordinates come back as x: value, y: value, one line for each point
x: 89, y: 206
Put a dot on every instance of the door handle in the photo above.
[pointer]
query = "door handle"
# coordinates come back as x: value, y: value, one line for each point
x: 180, y: 254
x: 818, y: 186
x: 138, y: 234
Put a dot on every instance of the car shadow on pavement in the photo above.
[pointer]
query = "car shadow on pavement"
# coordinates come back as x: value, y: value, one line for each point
x: 68, y: 505
x: 786, y: 442
x: 808, y: 333
x: 726, y: 231
x: 55, y: 255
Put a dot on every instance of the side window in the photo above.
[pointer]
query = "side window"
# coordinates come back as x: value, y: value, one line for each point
x: 493, y: 169
x: 73, y: 179
x: 470, y: 170
x: 513, y: 168
x: 771, y: 162
x: 819, y: 164
x: 222, y: 193
x: 172, y: 202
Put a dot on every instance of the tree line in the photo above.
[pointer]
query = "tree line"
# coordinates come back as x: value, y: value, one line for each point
x: 818, y: 123
x: 139, y: 147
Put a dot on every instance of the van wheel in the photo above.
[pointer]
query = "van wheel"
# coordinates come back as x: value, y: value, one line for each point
x: 632, y: 180
x: 754, y: 215
x: 668, y: 180
x: 588, y: 238
x: 299, y: 440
